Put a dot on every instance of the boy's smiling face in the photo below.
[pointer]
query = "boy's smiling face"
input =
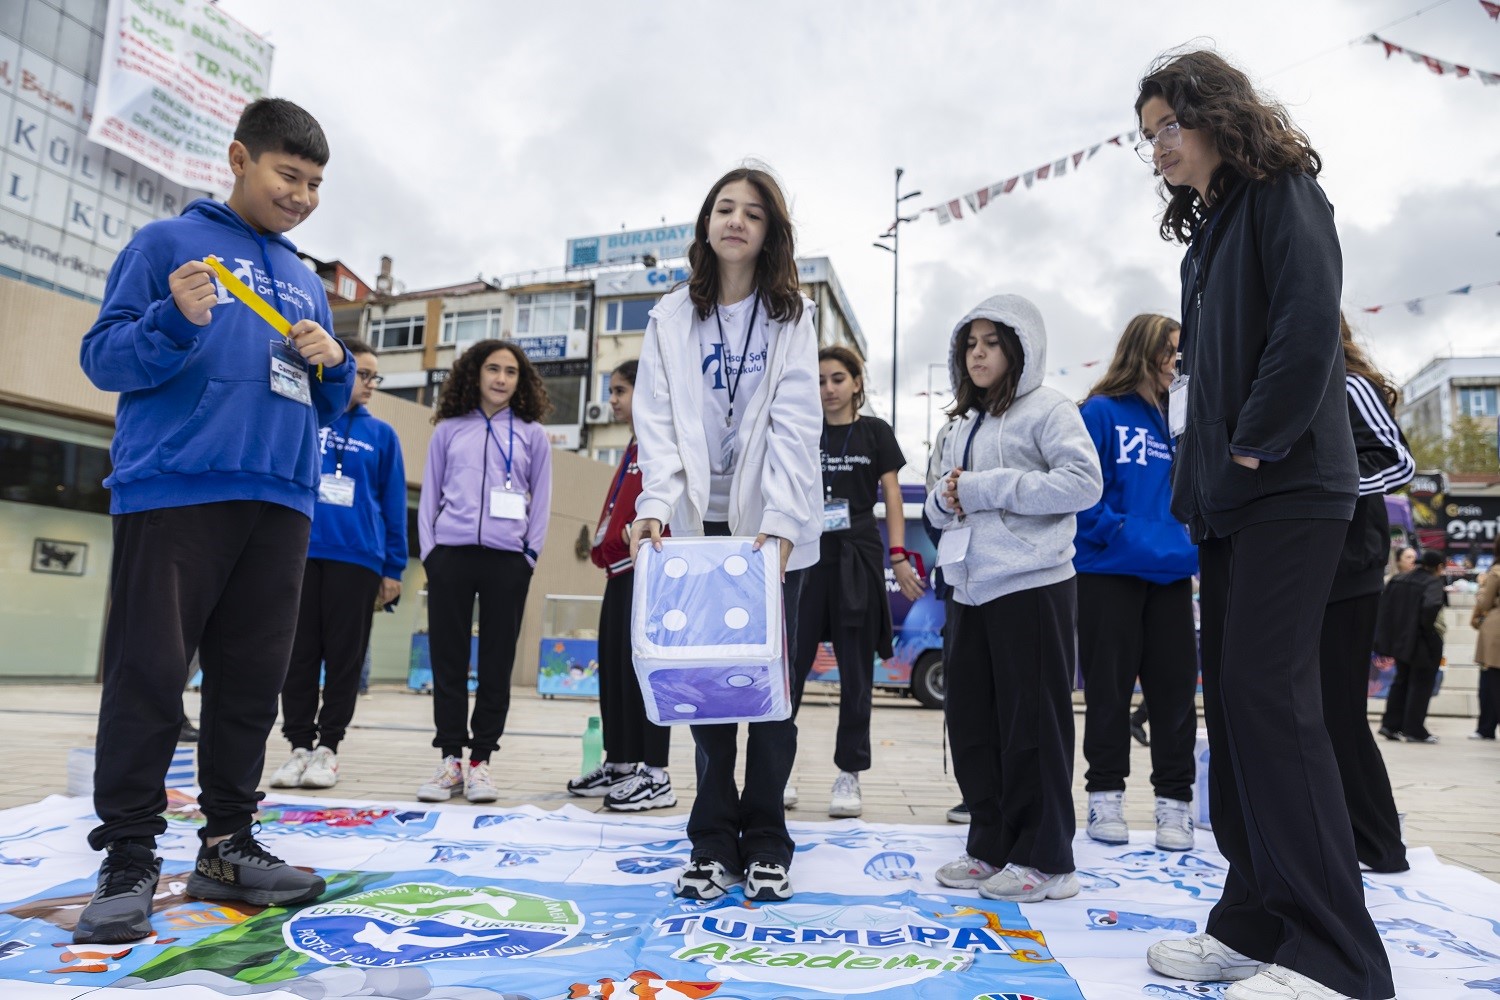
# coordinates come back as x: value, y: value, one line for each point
x: 274, y: 192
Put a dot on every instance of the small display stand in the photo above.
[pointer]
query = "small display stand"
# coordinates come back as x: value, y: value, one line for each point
x: 567, y: 660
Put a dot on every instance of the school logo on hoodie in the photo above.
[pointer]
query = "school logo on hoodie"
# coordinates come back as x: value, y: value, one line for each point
x: 1136, y: 443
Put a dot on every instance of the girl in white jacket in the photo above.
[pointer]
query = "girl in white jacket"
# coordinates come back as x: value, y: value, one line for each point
x: 728, y: 418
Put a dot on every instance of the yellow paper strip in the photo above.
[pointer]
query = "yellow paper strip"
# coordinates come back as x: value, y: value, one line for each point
x: 247, y: 295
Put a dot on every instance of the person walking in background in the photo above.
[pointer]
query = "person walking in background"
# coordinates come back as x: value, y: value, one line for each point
x: 1135, y: 565
x: 844, y: 599
x: 355, y: 559
x: 1266, y: 480
x: 1348, y: 633
x: 1021, y: 466
x: 633, y: 775
x: 1487, y: 649
x: 486, y: 500
x: 1406, y: 561
x: 1409, y: 629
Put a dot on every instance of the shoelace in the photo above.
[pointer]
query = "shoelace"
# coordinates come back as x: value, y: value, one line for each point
x: 123, y: 873
x: 245, y: 844
x: 479, y: 774
x: 441, y: 774
x: 844, y: 785
x: 704, y: 871
x: 766, y: 871
x: 629, y: 786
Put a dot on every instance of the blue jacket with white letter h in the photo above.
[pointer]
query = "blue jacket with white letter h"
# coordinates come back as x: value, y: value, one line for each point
x: 1131, y: 530
x: 197, y: 420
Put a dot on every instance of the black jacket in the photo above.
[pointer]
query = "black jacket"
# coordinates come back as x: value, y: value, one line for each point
x: 1406, y: 628
x: 1385, y: 464
x: 1260, y: 344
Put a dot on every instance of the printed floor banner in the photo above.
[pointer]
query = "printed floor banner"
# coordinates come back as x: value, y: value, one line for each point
x: 520, y: 904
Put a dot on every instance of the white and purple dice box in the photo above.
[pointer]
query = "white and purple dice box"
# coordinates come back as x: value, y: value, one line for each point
x: 707, y: 632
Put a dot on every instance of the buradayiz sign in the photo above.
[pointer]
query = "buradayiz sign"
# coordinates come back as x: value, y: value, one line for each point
x: 662, y: 243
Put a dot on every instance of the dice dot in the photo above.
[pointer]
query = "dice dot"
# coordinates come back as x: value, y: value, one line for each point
x: 736, y: 618
x: 739, y: 680
x: 676, y: 567
x: 674, y: 620
x: 736, y: 566
x: 685, y: 709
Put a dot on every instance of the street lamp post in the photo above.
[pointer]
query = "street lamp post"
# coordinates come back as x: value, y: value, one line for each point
x: 894, y: 249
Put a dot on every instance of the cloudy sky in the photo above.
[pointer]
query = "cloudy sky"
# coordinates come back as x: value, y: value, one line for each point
x: 477, y: 137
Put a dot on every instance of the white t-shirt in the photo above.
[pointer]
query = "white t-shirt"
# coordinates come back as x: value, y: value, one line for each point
x: 731, y: 364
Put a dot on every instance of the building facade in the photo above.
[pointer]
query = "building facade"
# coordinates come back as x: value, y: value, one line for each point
x: 1446, y: 389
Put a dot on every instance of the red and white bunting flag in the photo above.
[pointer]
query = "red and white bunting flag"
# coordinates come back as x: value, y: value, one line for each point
x: 1439, y: 66
x: 1373, y: 309
x: 1028, y: 177
x: 1488, y: 79
x: 1414, y: 307
x: 1078, y: 158
x: 1044, y: 171
x: 1492, y: 9
x: 955, y: 209
x: 977, y: 199
x: 1114, y: 140
x: 1094, y: 149
x: 942, y: 213
x: 1060, y: 167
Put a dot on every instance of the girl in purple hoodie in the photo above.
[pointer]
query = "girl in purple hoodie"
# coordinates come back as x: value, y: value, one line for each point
x: 486, y: 494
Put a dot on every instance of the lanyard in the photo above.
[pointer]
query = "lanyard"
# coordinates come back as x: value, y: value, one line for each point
x: 969, y: 447
x: 614, y: 493
x: 489, y: 429
x: 732, y: 383
x: 827, y: 453
x: 340, y: 449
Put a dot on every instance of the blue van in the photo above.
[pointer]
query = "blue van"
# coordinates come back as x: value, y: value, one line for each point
x: 916, y: 669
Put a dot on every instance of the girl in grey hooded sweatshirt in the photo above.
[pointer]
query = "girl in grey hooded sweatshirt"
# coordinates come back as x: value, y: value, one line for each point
x: 1021, y: 465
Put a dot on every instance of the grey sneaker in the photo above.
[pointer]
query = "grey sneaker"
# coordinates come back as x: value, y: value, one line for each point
x: 642, y: 790
x: 1277, y: 982
x: 965, y: 873
x: 1020, y: 884
x: 478, y: 785
x: 322, y: 769
x: 600, y: 780
x: 289, y: 775
x: 1107, y: 818
x: 240, y: 868
x: 1201, y: 958
x: 845, y: 801
x: 446, y: 782
x: 121, y: 908
x: 767, y: 882
x: 704, y: 878
x: 1174, y: 825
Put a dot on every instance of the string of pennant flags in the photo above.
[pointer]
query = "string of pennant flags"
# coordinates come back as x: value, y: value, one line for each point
x: 1415, y: 307
x: 1439, y: 66
x: 953, y: 209
x: 1492, y: 9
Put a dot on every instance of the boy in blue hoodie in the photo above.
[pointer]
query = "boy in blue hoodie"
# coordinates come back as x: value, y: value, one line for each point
x: 355, y: 559
x: 215, y: 475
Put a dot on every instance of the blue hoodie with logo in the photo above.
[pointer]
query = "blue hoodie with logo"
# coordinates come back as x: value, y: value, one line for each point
x: 1131, y: 530
x: 197, y: 420
x: 371, y: 532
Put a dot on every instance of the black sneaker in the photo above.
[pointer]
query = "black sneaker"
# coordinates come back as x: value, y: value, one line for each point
x: 642, y: 790
x: 959, y: 813
x: 1390, y: 734
x: 121, y: 908
x: 767, y: 882
x: 240, y: 868
x: 600, y: 780
x: 1429, y: 738
x: 189, y: 733
x: 1138, y: 732
x: 704, y: 878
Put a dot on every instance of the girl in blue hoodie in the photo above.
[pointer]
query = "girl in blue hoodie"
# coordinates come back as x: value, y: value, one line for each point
x: 1022, y: 466
x: 1135, y: 564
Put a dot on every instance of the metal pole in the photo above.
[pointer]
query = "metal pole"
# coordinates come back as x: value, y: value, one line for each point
x: 895, y: 292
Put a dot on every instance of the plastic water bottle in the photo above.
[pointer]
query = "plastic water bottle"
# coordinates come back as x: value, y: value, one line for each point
x: 593, y: 745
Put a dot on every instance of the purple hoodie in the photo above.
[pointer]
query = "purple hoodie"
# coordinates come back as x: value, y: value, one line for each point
x: 464, y: 462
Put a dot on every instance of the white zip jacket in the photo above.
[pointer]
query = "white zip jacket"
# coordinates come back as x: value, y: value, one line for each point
x: 775, y: 489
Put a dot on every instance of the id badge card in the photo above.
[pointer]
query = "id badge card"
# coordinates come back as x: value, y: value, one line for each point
x: 1177, y: 405
x: 336, y: 490
x: 835, y: 515
x: 506, y: 505
x: 289, y: 376
x: 953, y: 545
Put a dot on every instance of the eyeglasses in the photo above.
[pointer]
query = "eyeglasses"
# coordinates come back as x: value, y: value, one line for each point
x: 370, y: 378
x: 1169, y: 138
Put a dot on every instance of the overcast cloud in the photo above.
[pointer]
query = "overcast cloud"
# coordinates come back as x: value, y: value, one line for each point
x: 476, y: 137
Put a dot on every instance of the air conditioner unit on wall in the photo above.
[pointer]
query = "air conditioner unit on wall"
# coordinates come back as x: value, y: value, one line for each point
x: 598, y: 413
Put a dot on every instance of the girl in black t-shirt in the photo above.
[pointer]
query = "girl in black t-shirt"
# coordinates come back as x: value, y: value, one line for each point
x: 844, y: 600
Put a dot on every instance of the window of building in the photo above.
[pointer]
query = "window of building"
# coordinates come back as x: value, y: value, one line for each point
x: 552, y: 312
x: 397, y: 334
x: 51, y: 473
x: 1478, y: 402
x: 348, y: 287
x: 627, y: 315
x: 468, y: 327
x: 566, y: 393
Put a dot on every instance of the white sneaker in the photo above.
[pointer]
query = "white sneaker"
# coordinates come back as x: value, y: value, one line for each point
x: 1201, y: 958
x: 1107, y: 818
x: 322, y: 769
x: 1276, y: 982
x: 478, y: 785
x: 704, y: 879
x: 289, y: 775
x: 1020, y: 884
x: 1174, y: 825
x: 789, y: 796
x: 446, y: 782
x: 845, y: 802
x: 965, y: 873
x: 767, y: 882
